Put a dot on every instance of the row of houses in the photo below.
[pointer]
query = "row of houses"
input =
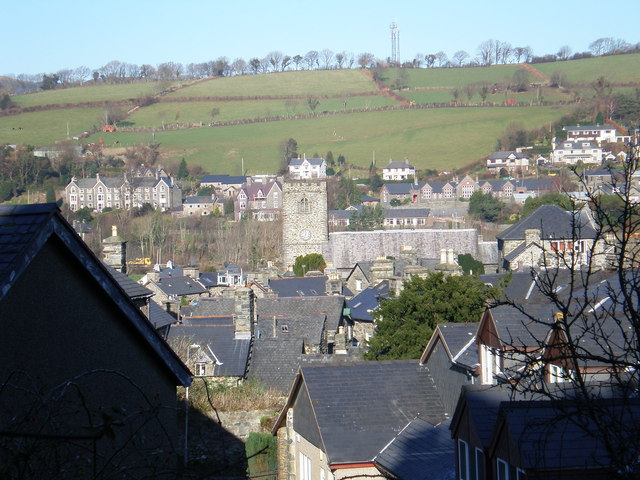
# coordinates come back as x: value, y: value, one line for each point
x: 426, y: 192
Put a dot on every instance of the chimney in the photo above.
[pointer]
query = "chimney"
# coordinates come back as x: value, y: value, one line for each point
x: 450, y: 260
x: 114, y: 230
x: 274, y: 324
x: 243, y: 313
x: 114, y: 251
x: 531, y: 235
x: 443, y: 256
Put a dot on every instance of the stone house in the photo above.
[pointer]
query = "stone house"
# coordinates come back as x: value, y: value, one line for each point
x: 303, y: 168
x: 202, y: 206
x: 509, y: 160
x: 438, y: 191
x: 340, y: 415
x: 73, y: 324
x: 120, y: 192
x: 551, y: 237
x: 399, y: 192
x: 398, y: 171
x: 260, y: 201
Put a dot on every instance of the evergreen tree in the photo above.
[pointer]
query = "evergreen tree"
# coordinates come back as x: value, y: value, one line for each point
x: 183, y: 171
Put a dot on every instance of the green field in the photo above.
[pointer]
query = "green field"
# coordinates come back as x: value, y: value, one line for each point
x: 615, y: 68
x: 316, y: 83
x: 445, y: 95
x: 453, y: 77
x: 90, y: 93
x: 444, y: 138
x: 194, y: 112
x: 46, y: 128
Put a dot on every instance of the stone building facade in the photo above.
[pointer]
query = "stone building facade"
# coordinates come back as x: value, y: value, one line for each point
x: 304, y: 219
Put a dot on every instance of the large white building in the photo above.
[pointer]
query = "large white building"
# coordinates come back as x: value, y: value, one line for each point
x: 398, y: 170
x: 305, y: 168
x: 594, y: 133
x: 119, y: 192
x: 570, y: 153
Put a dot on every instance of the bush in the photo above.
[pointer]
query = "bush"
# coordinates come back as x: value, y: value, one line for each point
x: 262, y: 455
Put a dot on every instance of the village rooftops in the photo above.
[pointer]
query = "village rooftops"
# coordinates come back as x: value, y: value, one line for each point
x: 553, y: 223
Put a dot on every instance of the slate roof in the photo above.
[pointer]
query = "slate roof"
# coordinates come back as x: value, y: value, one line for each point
x: 460, y: 340
x: 520, y: 249
x: 178, y: 286
x: 311, y: 286
x: 400, y: 188
x: 306, y: 327
x: 274, y: 362
x: 553, y: 222
x: 218, y: 333
x: 25, y: 229
x: 406, y: 212
x: 505, y: 154
x: 398, y: 164
x: 361, y: 406
x: 421, y: 451
x: 295, y: 162
x: 159, y: 317
x: 205, y: 200
x: 130, y: 286
x: 224, y: 179
x: 549, y: 438
x: 331, y: 306
x: 588, y: 127
x: 488, y: 253
x: 367, y: 300
x: 210, y: 307
x: 516, y: 328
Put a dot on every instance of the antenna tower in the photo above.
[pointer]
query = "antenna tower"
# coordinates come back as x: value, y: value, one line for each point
x: 395, y: 43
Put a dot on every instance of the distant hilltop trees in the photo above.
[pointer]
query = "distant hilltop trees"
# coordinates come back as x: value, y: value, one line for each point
x: 489, y: 52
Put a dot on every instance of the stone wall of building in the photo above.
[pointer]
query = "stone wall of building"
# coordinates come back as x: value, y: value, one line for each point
x: 347, y: 248
x: 304, y: 219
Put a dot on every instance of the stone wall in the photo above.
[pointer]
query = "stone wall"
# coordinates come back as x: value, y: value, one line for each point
x: 347, y: 248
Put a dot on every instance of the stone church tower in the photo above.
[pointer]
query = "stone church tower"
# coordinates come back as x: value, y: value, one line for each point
x: 304, y: 219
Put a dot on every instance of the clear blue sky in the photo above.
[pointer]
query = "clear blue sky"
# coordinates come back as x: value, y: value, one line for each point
x: 40, y: 36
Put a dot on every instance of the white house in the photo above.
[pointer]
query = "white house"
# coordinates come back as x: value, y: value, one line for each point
x: 398, y: 170
x: 594, y: 133
x: 301, y: 168
x: 509, y: 160
x: 570, y: 153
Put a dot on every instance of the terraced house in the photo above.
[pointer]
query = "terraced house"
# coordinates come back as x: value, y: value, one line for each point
x: 121, y: 192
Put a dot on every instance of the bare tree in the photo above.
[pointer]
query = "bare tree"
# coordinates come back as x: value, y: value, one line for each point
x: 442, y: 59
x: 239, y: 66
x: 327, y: 57
x: 311, y: 59
x: 459, y: 57
x: 485, y: 52
x: 275, y: 59
x: 297, y: 60
x: 564, y: 53
x: 366, y: 60
x: 581, y: 336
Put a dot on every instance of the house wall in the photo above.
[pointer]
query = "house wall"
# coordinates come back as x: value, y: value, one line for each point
x: 59, y: 325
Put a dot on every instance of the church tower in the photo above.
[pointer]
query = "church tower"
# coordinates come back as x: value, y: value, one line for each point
x: 304, y: 219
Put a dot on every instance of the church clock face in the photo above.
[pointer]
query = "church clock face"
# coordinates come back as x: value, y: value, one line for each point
x: 305, y: 234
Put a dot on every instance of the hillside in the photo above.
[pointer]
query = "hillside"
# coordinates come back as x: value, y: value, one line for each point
x: 221, y: 123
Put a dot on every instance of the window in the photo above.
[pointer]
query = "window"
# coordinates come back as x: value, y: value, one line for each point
x: 305, y: 467
x: 463, y: 460
x: 304, y: 206
x: 201, y: 369
x: 285, y: 328
x: 502, y: 470
x: 490, y: 361
x: 479, y: 464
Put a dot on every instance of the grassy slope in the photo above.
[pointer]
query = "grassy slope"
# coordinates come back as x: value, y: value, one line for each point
x: 615, y: 68
x: 453, y: 77
x: 193, y: 112
x: 316, y: 83
x: 46, y: 128
x: 430, y: 138
x: 89, y: 93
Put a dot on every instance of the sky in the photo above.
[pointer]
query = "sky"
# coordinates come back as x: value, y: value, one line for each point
x: 40, y: 36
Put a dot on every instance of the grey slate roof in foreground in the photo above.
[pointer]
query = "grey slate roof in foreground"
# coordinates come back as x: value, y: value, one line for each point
x: 362, y: 305
x: 421, y: 451
x: 311, y: 286
x: 331, y: 306
x: 460, y: 339
x: 360, y: 407
x: 275, y: 362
